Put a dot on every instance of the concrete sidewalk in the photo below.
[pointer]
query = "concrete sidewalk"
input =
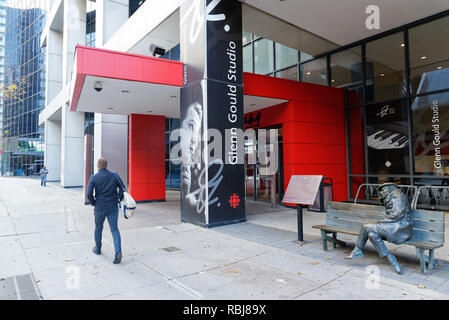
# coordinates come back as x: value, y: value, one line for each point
x: 46, y: 237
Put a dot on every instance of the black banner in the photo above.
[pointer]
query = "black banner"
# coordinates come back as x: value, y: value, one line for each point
x: 212, y: 188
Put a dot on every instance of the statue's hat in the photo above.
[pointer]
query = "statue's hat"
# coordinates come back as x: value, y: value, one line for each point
x: 387, y: 185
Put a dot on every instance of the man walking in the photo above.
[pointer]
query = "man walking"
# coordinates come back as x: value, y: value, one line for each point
x: 108, y: 192
x: 43, y: 173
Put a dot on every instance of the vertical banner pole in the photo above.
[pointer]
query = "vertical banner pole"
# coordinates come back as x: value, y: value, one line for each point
x: 211, y: 114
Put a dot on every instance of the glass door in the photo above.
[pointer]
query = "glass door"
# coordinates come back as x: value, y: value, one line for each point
x: 262, y: 183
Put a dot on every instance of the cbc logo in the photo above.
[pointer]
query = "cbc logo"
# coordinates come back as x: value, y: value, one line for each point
x: 234, y: 201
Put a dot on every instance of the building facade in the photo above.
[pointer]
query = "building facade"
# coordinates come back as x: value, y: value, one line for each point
x: 24, y: 88
x: 2, y: 65
x: 349, y: 102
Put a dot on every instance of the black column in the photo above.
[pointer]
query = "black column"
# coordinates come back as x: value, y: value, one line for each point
x: 212, y: 191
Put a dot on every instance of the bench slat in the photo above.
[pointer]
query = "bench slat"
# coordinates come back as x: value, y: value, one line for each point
x: 337, y: 229
x: 346, y: 206
x: 350, y: 215
x: 350, y: 224
x: 428, y: 225
x: 426, y: 236
x: 428, y: 215
x: 378, y: 210
x: 424, y: 245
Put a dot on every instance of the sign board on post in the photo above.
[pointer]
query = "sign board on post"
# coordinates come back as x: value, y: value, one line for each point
x: 302, y: 190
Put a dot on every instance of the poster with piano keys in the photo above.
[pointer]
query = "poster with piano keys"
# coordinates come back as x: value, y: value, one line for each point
x: 388, y: 138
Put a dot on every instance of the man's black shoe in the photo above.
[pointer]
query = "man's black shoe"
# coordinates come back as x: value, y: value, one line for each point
x: 118, y: 258
x: 96, y: 251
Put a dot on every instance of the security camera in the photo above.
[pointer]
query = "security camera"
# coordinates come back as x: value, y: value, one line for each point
x: 156, y: 50
x: 98, y: 86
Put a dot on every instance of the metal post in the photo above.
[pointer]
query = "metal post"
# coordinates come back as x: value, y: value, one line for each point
x: 300, y: 227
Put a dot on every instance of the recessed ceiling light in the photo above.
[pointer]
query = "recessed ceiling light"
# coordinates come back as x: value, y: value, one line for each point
x: 309, y: 73
x: 333, y: 80
x: 423, y: 57
x: 439, y: 68
x: 402, y: 44
x: 149, y: 111
x: 125, y: 91
x: 382, y: 74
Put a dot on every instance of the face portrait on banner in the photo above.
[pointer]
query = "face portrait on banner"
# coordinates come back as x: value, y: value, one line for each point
x: 192, y: 168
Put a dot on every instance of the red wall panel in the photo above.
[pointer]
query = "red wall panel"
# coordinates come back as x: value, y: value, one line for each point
x: 147, y: 157
x: 313, y: 125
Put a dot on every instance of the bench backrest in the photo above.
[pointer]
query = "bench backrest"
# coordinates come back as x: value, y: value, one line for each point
x: 428, y: 226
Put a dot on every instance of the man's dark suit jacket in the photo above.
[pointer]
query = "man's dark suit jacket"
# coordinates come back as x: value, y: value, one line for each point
x: 108, y: 191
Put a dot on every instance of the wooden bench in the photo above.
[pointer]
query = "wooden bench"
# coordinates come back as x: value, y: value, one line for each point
x: 348, y: 218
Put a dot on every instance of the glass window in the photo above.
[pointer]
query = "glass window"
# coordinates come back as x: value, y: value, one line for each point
x: 429, y: 56
x: 431, y: 134
x: 263, y: 56
x: 290, y: 73
x: 346, y: 67
x: 304, y: 57
x: 285, y: 56
x: 246, y: 37
x: 314, y: 71
x: 388, y: 138
x: 248, y: 58
x: 385, y: 68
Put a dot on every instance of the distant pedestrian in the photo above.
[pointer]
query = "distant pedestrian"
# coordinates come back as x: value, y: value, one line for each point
x: 43, y: 173
x: 108, y: 189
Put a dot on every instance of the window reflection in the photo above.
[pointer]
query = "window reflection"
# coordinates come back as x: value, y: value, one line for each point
x: 24, y: 89
x: 290, y: 73
x: 429, y: 56
x: 314, y: 71
x: 346, y: 67
x: 285, y: 56
x: 385, y: 68
x: 263, y: 56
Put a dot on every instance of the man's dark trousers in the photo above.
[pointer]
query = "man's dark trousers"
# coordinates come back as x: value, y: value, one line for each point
x: 112, y: 217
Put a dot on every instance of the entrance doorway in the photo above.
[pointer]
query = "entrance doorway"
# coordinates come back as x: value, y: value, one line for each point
x: 259, y: 185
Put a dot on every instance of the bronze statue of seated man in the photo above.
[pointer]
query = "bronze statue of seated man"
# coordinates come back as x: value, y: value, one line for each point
x: 396, y: 227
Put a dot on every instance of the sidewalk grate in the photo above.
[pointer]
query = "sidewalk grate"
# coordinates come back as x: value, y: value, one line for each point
x: 18, y: 288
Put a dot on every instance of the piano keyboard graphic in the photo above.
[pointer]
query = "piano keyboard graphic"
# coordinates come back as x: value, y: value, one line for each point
x: 386, y: 139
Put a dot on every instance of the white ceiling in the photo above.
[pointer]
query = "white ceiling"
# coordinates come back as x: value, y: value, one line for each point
x: 144, y: 97
x: 343, y: 21
x: 254, y: 103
